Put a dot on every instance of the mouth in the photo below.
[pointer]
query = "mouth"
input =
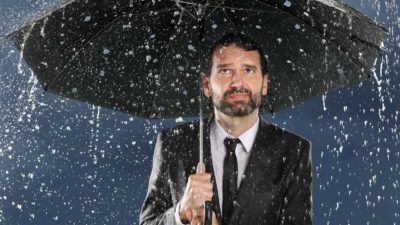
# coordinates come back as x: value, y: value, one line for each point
x: 238, y: 94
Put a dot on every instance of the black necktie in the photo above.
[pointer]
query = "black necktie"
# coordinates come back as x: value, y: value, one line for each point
x: 230, y: 175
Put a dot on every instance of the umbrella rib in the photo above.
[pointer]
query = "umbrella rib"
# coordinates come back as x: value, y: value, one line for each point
x: 183, y: 8
x: 218, y: 6
x: 227, y: 16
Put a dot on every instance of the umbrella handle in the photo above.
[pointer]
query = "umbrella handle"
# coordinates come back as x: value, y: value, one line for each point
x: 207, y: 213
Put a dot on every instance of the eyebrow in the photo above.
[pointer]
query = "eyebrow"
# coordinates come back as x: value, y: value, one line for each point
x: 229, y: 64
x: 224, y: 65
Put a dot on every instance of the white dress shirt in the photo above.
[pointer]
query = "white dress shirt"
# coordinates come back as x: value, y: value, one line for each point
x: 218, y: 152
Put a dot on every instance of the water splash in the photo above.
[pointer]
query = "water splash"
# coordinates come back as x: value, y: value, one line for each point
x: 21, y: 54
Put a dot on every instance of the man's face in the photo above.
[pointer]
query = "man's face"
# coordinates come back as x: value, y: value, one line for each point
x: 236, y: 83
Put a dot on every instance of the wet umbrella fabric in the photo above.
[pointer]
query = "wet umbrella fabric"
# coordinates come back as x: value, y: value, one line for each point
x: 144, y: 58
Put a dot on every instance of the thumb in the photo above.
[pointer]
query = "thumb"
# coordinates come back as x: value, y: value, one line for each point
x: 201, y: 168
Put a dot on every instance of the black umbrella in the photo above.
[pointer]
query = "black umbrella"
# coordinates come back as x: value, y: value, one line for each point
x: 144, y: 57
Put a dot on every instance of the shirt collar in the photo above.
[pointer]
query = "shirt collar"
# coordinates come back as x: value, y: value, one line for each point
x: 246, y: 138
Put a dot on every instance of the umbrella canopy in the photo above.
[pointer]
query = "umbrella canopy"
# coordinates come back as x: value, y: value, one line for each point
x: 144, y: 58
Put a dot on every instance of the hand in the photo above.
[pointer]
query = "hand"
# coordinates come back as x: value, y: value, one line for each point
x: 197, y: 217
x: 198, y: 191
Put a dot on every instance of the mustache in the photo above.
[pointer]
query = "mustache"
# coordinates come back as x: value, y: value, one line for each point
x: 237, y: 90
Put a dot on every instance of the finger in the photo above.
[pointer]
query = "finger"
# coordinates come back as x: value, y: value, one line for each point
x: 214, y: 220
x: 200, y: 177
x: 198, y: 215
x: 201, y: 168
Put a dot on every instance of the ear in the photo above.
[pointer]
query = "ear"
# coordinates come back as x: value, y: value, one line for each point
x: 205, y: 81
x: 265, y: 84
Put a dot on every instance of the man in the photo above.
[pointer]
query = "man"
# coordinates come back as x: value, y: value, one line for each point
x: 256, y: 173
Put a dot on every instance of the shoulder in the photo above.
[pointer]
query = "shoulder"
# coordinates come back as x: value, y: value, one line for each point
x: 274, y: 131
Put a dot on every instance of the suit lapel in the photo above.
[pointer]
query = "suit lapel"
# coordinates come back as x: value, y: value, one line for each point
x: 259, y: 162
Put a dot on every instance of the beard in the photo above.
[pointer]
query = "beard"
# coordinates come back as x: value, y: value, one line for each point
x: 238, y: 108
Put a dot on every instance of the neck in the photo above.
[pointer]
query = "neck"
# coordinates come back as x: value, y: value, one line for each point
x: 235, y: 125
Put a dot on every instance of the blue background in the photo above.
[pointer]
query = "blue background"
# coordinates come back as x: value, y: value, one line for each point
x: 67, y: 162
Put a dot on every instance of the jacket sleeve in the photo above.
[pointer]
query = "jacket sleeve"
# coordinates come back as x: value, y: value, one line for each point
x: 297, y: 203
x: 158, y: 207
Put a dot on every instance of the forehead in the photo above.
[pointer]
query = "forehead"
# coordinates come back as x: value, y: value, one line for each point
x: 234, y: 54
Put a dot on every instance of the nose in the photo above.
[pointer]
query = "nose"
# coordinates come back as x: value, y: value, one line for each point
x: 237, y: 80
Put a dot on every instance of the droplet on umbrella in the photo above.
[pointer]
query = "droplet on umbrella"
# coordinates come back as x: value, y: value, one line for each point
x: 148, y: 58
x: 87, y: 18
x: 74, y: 90
x: 258, y: 27
x: 191, y: 47
x: 340, y: 71
x: 180, y: 68
x: 214, y: 26
x: 287, y: 3
x: 106, y: 51
x: 297, y: 26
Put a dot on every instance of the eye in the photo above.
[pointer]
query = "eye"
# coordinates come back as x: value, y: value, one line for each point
x: 249, y: 71
x: 225, y: 71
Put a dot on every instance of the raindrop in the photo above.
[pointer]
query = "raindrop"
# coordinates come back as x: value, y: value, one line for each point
x: 214, y: 26
x: 180, y: 68
x: 279, y: 40
x: 297, y: 26
x: 102, y: 73
x: 87, y: 18
x: 148, y: 58
x: 191, y: 48
x: 106, y: 51
x: 258, y: 27
x: 340, y: 72
x: 287, y: 3
x: 74, y: 90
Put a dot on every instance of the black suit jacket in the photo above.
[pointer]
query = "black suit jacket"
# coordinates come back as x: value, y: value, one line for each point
x: 276, y: 188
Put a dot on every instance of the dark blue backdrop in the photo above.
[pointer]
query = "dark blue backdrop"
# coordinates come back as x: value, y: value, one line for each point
x: 66, y: 162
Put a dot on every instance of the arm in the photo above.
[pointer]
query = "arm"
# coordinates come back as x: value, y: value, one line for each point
x: 158, y: 207
x: 297, y: 203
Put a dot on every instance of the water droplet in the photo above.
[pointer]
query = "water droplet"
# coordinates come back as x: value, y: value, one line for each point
x: 191, y: 48
x: 287, y: 3
x: 87, y: 18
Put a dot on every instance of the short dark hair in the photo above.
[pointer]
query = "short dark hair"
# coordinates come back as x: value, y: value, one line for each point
x: 242, y: 41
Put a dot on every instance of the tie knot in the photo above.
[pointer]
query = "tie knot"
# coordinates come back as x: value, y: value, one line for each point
x: 231, y: 144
